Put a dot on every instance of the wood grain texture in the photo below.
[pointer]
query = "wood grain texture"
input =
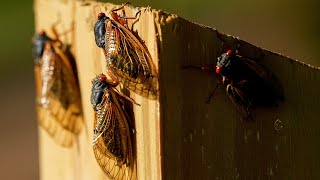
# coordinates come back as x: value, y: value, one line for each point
x: 212, y: 141
x: 182, y: 137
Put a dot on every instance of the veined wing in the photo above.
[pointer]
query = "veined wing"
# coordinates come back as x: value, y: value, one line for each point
x: 259, y: 70
x: 58, y: 97
x: 112, y: 144
x: 268, y: 84
x: 130, y: 61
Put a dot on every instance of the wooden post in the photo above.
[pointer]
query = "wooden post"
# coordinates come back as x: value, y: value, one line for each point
x: 79, y: 162
x: 180, y: 136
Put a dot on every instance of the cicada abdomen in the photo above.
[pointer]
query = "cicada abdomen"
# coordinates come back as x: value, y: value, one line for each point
x: 128, y: 59
x: 58, y: 100
x: 113, y: 131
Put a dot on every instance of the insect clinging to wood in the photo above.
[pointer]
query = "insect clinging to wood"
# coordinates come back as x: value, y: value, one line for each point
x: 113, y: 130
x: 58, y: 100
x: 128, y: 59
x: 247, y: 83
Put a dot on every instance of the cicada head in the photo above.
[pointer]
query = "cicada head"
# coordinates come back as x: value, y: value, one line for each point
x: 224, y: 63
x: 100, y: 29
x: 38, y: 44
x: 99, y: 85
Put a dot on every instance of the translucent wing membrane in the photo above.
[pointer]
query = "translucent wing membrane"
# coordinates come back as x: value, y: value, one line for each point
x: 58, y: 96
x: 112, y: 140
x: 128, y: 59
x: 48, y: 122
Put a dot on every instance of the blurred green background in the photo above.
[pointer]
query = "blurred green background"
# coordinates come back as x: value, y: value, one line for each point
x: 289, y: 27
x: 18, y: 132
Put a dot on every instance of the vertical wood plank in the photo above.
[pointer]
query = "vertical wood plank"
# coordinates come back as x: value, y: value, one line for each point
x: 79, y: 160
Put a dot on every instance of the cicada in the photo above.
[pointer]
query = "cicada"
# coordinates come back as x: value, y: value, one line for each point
x: 128, y: 59
x: 247, y: 83
x: 58, y: 100
x: 113, y: 130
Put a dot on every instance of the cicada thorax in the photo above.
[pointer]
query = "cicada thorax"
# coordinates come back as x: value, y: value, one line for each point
x: 127, y: 57
x: 112, y: 139
x: 58, y: 95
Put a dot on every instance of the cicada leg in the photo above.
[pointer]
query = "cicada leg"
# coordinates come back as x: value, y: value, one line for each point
x: 220, y: 80
x: 126, y: 97
x: 237, y: 95
x: 239, y: 99
x: 122, y: 104
x: 136, y: 20
x: 121, y: 19
x: 204, y: 68
x: 212, y: 93
x: 57, y: 35
x: 115, y: 80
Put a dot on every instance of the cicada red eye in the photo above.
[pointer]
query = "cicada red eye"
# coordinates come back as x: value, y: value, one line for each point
x: 42, y: 33
x: 229, y: 52
x: 218, y: 69
x: 101, y: 15
x: 102, y: 78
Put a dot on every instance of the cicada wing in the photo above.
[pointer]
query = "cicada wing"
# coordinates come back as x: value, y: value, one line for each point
x: 37, y: 80
x: 146, y: 87
x: 129, y: 40
x: 239, y: 97
x: 258, y: 69
x: 110, y: 165
x: 69, y: 95
x: 112, y: 140
x: 267, y: 88
x: 48, y: 122
x: 58, y: 97
x: 131, y: 62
